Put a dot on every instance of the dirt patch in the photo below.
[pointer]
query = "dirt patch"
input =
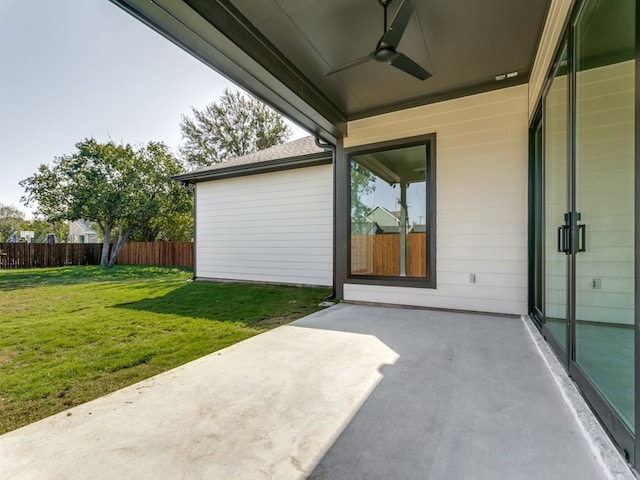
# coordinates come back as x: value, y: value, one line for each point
x: 6, y: 358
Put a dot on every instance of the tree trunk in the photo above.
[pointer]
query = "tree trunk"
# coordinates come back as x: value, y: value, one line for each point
x: 104, y: 258
x: 122, y: 239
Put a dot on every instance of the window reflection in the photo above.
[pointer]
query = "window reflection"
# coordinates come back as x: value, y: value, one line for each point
x: 389, y: 216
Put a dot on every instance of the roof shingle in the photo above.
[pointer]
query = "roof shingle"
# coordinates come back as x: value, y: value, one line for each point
x: 294, y: 149
x: 297, y: 153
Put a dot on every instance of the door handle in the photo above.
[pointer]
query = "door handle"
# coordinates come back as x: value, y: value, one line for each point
x: 563, y: 238
x: 560, y: 238
x: 582, y: 238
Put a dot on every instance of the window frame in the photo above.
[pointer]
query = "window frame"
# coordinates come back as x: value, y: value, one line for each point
x: 429, y: 281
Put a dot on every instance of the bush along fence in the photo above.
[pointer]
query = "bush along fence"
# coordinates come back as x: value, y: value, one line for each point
x: 35, y: 255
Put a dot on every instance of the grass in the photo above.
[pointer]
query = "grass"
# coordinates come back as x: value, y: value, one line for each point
x: 72, y: 334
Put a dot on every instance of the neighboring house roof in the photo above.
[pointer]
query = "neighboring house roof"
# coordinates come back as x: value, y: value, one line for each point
x: 302, y: 152
x: 83, y: 226
x: 383, y: 217
x: 387, y: 221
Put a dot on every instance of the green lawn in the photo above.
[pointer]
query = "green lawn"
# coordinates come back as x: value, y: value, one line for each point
x: 68, y: 335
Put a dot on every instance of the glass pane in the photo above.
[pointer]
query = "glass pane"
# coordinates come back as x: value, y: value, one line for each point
x: 555, y: 154
x: 389, y: 213
x: 605, y: 133
x: 538, y: 226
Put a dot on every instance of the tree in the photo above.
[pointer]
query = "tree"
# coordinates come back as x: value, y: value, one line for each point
x: 120, y: 188
x: 174, y: 222
x: 362, y: 184
x: 235, y: 126
x: 10, y: 220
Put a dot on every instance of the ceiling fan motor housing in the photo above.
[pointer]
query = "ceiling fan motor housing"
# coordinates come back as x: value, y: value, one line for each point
x: 384, y: 53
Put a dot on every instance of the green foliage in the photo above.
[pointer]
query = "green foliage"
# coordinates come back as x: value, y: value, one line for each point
x: 10, y: 221
x: 71, y: 334
x: 13, y: 221
x: 234, y: 126
x: 174, y: 221
x: 122, y: 189
x: 362, y: 184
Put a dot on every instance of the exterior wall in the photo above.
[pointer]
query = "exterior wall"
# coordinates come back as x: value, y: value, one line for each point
x: 553, y: 28
x: 481, y: 217
x: 272, y: 227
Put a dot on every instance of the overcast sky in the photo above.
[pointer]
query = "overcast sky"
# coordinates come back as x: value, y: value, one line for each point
x: 72, y: 69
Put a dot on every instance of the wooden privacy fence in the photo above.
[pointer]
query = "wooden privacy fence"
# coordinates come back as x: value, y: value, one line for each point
x: 380, y: 254
x: 35, y: 255
x: 168, y: 254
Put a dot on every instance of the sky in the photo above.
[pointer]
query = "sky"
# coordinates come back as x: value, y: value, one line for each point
x: 73, y: 69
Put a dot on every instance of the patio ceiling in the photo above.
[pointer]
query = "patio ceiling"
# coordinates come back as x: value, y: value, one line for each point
x: 280, y: 50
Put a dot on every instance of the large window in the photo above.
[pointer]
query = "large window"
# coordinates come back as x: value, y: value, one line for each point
x: 392, y: 212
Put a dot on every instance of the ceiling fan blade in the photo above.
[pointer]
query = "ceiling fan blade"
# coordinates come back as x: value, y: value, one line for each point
x: 394, y: 33
x: 404, y: 63
x: 352, y: 63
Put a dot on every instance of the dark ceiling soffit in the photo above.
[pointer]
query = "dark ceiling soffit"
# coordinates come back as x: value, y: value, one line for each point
x: 226, y: 18
x: 322, y: 158
x: 443, y: 96
x: 223, y: 47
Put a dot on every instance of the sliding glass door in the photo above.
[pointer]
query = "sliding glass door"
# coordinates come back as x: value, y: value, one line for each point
x: 604, y: 45
x: 588, y: 179
x: 556, y: 201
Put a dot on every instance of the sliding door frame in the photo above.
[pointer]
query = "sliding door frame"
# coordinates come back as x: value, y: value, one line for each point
x: 626, y: 440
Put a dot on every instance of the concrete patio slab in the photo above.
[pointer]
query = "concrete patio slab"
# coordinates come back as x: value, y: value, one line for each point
x: 352, y: 392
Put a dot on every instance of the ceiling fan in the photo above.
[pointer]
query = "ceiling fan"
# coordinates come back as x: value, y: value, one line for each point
x: 385, y: 50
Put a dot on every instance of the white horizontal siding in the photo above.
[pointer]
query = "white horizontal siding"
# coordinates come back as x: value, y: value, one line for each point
x: 272, y: 227
x: 481, y: 163
x: 464, y: 298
